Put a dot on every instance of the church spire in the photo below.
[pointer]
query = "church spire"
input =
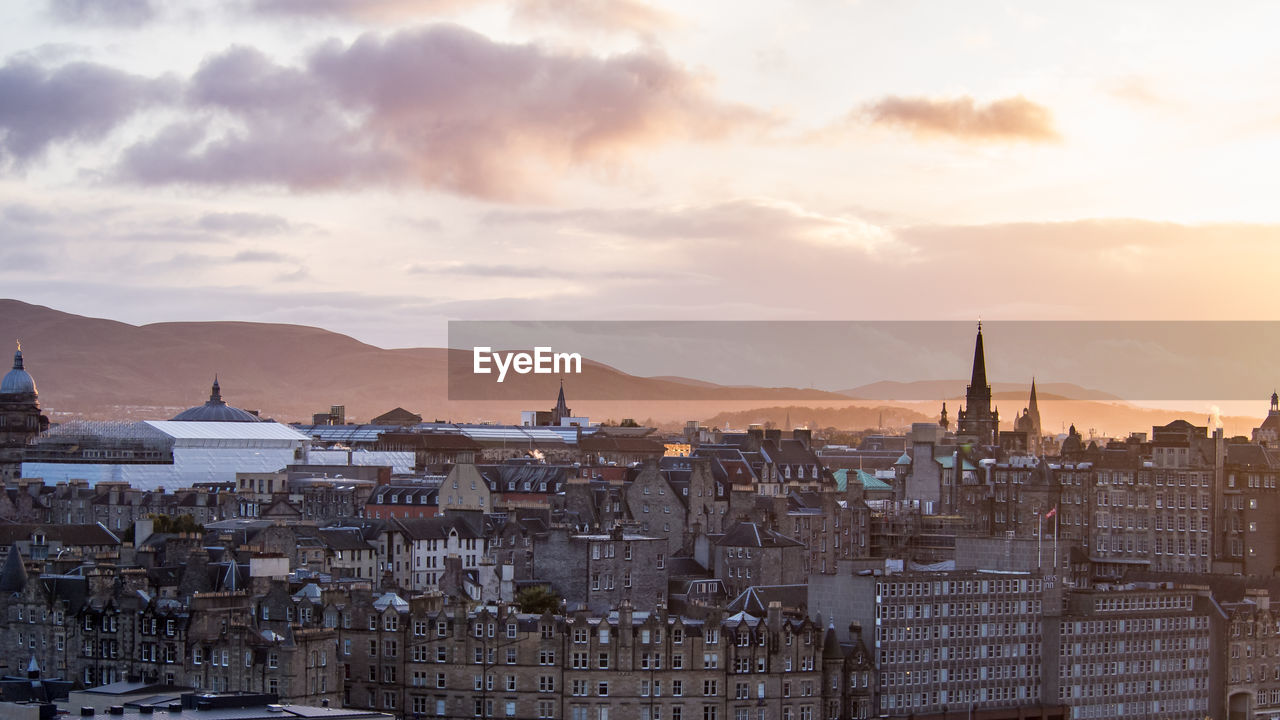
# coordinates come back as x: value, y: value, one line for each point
x: 979, y: 379
x: 215, y: 396
x: 561, y: 410
x: 1032, y: 406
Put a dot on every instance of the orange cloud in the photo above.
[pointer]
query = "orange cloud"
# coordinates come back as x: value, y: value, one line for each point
x: 1008, y: 119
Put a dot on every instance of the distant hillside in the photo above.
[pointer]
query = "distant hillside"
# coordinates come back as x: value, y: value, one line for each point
x: 850, y: 417
x: 1103, y: 419
x: 103, y: 369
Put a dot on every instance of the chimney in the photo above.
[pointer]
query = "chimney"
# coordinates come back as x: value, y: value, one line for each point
x: 624, y: 621
x: 805, y: 436
x: 775, y: 617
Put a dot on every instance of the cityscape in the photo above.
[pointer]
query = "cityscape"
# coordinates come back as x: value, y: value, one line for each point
x: 639, y: 360
x: 561, y: 567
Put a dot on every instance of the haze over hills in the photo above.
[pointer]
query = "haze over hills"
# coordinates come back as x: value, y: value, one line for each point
x: 103, y: 369
x: 940, y: 389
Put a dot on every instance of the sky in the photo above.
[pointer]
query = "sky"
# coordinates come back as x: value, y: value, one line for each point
x: 380, y: 167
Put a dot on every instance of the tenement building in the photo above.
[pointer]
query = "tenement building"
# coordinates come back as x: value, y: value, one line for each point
x: 1137, y: 653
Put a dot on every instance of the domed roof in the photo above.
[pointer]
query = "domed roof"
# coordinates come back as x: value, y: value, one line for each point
x: 17, y: 381
x: 216, y: 410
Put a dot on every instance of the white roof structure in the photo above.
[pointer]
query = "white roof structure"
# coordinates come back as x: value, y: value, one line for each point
x: 202, y: 452
x: 400, y: 461
x: 207, y: 434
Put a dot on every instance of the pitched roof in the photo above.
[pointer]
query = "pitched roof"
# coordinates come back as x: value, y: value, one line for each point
x: 439, y: 527
x: 13, y: 576
x: 85, y: 534
x: 750, y: 534
x: 756, y: 599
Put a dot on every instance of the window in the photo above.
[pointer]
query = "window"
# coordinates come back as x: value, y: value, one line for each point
x: 710, y: 687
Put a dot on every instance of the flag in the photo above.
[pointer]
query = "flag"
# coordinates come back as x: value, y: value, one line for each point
x: 1051, y: 513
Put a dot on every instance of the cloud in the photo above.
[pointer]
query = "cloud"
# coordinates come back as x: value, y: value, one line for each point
x: 588, y: 15
x: 732, y: 223
x: 78, y: 101
x: 493, y: 271
x: 374, y: 10
x: 259, y: 256
x: 1008, y: 119
x: 441, y: 108
x: 119, y: 13
x: 243, y: 223
x: 23, y: 214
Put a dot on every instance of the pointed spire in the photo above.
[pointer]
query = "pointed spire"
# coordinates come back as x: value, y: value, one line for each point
x: 215, y: 397
x: 13, y: 576
x: 561, y: 410
x: 1032, y: 406
x: 979, y: 379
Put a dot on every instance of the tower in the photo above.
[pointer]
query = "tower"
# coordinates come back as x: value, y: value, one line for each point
x: 20, y: 418
x: 977, y: 420
x: 1029, y: 422
x: 561, y: 410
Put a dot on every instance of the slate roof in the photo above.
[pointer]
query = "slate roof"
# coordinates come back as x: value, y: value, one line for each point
x: 1252, y: 455
x: 344, y: 538
x: 756, y: 599
x: 438, y: 528
x: 86, y: 534
x: 13, y: 576
x: 750, y: 534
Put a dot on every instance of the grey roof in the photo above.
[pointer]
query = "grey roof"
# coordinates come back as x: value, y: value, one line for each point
x: 216, y: 410
x: 756, y: 599
x: 438, y: 527
x: 17, y: 381
x: 391, y: 600
x: 80, y: 534
x: 13, y: 576
x: 749, y: 534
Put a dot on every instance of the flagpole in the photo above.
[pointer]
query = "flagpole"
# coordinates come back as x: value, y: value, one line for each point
x: 1039, y: 539
x: 1055, y: 540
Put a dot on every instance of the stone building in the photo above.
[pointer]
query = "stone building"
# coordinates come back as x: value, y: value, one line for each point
x: 20, y: 418
x: 1253, y: 658
x: 599, y: 571
x: 1145, y: 654
x: 750, y: 554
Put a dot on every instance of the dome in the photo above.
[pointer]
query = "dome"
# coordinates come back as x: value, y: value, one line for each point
x: 216, y: 410
x: 17, y: 381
